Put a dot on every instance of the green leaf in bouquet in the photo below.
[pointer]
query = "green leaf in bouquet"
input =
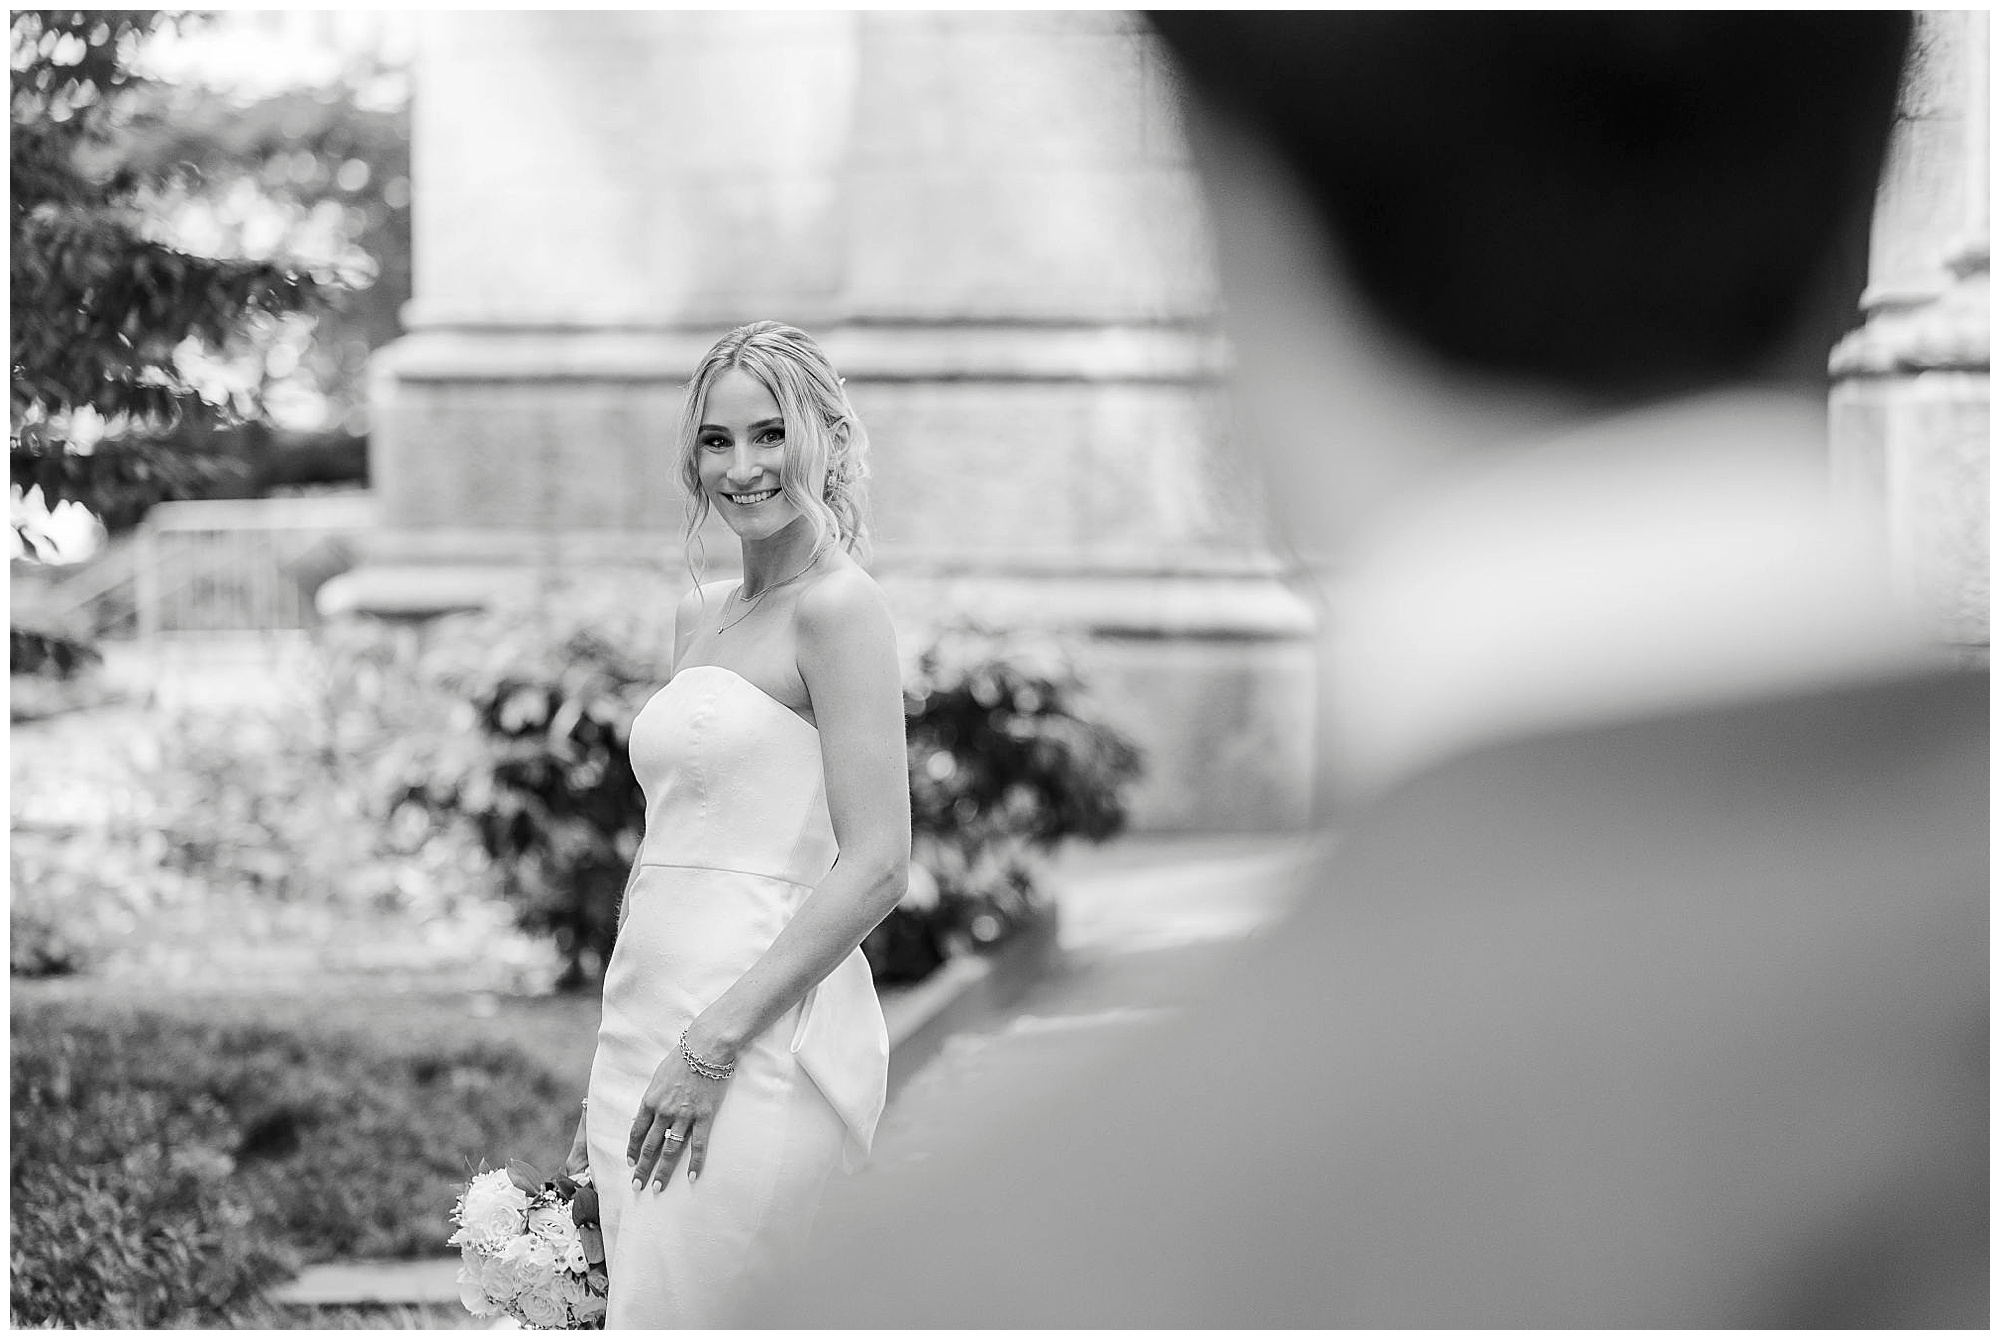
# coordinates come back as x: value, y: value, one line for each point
x: 583, y: 1207
x: 593, y: 1248
x: 523, y: 1175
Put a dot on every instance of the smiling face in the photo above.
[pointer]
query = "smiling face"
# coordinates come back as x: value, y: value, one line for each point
x: 740, y: 455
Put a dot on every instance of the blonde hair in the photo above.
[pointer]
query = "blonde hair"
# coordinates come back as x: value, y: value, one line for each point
x: 824, y: 439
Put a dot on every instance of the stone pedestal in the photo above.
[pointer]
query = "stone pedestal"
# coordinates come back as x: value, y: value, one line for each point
x: 990, y: 222
x: 1909, y: 407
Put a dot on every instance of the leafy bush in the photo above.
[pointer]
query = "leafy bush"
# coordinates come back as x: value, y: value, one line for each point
x: 299, y: 802
x: 1005, y: 761
x: 47, y: 934
x: 548, y: 691
x: 123, y: 1212
x: 220, y: 837
x: 165, y: 1171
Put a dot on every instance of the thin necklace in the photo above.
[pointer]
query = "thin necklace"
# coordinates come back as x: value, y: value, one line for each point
x: 751, y: 604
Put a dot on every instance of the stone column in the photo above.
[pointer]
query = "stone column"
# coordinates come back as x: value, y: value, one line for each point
x: 1029, y: 301
x: 1909, y: 406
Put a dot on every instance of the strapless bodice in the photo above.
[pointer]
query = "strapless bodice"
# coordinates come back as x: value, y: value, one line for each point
x: 733, y: 780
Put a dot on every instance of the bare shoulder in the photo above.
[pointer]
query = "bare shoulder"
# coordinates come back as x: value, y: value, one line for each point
x: 844, y: 607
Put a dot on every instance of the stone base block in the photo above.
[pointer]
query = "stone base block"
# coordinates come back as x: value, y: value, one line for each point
x: 1912, y: 453
x: 1227, y: 728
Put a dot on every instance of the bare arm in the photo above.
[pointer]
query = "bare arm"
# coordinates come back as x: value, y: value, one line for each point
x: 847, y: 656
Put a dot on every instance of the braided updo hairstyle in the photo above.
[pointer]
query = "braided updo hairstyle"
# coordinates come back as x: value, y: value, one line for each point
x: 825, y: 473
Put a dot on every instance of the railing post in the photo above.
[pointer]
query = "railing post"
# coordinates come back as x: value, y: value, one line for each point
x: 146, y: 586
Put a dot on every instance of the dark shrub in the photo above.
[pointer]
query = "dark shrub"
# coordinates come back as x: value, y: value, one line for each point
x: 47, y: 937
x: 541, y: 770
x: 1006, y: 761
x: 124, y: 1212
x: 33, y: 651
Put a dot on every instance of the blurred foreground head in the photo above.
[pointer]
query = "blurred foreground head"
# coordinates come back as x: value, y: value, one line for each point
x: 1621, y: 205
x: 1521, y: 296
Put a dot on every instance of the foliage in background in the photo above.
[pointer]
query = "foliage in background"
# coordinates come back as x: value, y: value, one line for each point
x: 402, y: 792
x: 164, y: 1171
x: 257, y: 839
x: 322, y: 171
x: 549, y: 687
x: 54, y: 655
x: 102, y: 310
x: 1005, y: 761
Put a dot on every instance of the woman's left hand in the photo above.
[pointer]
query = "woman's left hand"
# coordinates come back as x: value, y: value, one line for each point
x: 674, y: 1119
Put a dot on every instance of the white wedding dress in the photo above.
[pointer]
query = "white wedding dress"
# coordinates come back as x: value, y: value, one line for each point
x: 737, y: 835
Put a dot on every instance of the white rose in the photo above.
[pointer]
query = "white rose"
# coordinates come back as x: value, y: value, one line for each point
x: 534, y: 1261
x: 501, y: 1278
x: 542, y: 1309
x: 553, y: 1223
x: 492, y: 1210
x: 556, y: 1227
x: 575, y: 1296
x: 472, y: 1293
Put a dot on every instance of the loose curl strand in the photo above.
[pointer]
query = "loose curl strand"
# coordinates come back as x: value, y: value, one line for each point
x: 825, y: 471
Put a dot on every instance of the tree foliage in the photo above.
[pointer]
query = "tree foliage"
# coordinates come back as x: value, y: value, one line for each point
x: 331, y: 165
x: 102, y: 412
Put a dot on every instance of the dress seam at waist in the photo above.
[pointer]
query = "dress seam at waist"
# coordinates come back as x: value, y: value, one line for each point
x: 725, y: 869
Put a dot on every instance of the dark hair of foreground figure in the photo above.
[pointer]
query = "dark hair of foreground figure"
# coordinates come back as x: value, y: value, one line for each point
x: 1622, y: 204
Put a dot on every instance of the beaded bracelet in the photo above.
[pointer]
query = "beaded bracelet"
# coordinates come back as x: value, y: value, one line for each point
x: 706, y: 1069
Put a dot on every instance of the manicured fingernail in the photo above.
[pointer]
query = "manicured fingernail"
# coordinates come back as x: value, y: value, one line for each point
x: 630, y: 1161
x: 692, y: 1174
x: 638, y: 1184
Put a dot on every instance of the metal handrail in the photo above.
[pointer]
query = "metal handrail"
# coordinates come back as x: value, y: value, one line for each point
x: 235, y: 542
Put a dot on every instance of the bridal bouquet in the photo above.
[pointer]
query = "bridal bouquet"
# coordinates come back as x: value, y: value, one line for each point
x: 531, y: 1249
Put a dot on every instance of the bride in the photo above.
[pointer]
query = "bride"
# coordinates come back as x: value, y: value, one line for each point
x: 742, y: 1052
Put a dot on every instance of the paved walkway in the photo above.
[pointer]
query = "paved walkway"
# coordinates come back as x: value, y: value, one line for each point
x: 1145, y: 922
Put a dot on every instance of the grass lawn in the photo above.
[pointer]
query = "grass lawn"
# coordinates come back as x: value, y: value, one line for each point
x: 173, y: 1148
x: 557, y: 1032
x: 382, y: 1317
